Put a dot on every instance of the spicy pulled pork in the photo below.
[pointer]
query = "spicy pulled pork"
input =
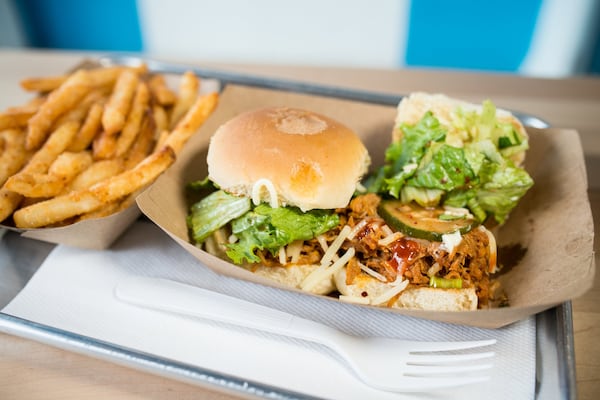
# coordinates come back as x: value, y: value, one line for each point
x: 416, y: 260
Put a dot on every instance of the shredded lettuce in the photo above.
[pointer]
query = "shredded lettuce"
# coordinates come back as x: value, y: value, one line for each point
x: 256, y: 227
x: 272, y: 228
x: 466, y: 164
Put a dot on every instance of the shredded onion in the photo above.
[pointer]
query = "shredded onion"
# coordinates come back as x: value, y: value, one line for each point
x: 256, y: 192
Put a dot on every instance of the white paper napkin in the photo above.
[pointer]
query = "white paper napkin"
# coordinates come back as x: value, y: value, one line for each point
x: 74, y: 290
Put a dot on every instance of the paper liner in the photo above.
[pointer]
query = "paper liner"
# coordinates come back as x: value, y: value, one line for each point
x: 549, y: 235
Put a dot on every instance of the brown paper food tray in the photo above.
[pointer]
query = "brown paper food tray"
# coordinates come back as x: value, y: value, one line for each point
x: 549, y: 235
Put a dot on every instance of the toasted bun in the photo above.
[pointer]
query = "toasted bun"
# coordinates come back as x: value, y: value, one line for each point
x: 419, y: 298
x: 292, y: 276
x: 312, y: 161
x: 412, y: 108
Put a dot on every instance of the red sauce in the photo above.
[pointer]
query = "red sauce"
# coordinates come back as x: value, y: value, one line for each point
x: 403, y: 251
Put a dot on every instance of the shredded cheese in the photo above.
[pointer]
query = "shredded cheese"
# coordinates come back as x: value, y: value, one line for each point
x: 387, y: 230
x: 493, y: 248
x: 389, y: 239
x: 371, y: 272
x: 335, y: 246
x: 396, y: 287
x: 357, y: 228
x: 293, y: 251
x: 323, y: 242
x: 325, y: 272
x: 257, y: 189
x: 434, y: 269
x: 282, y: 256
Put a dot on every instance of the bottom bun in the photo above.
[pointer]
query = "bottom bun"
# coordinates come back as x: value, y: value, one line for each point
x: 368, y: 288
x: 293, y: 275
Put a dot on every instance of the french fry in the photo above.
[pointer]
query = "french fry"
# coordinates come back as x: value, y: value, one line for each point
x: 70, y: 164
x: 61, y: 172
x: 188, y: 93
x: 80, y: 202
x: 160, y: 91
x: 103, y: 211
x: 104, y: 146
x: 119, y: 104
x: 35, y: 185
x: 134, y: 120
x: 43, y: 84
x: 161, y: 119
x: 96, y: 172
x: 16, y: 118
x: 57, y: 142
x: 192, y: 121
x: 90, y: 127
x: 14, y: 155
x: 104, y: 76
x: 162, y: 139
x: 81, y: 110
x: 9, y: 201
x: 143, y: 145
x: 58, y: 102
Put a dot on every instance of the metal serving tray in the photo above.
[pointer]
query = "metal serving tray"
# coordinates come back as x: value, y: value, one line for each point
x: 21, y: 257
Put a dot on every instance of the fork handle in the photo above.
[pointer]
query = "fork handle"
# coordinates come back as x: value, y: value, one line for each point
x: 167, y: 295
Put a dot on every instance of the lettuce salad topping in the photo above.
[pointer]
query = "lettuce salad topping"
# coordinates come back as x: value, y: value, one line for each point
x: 468, y: 164
x: 256, y: 227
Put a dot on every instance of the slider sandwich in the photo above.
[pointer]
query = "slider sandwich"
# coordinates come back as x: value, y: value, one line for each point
x: 453, y: 173
x: 279, y: 174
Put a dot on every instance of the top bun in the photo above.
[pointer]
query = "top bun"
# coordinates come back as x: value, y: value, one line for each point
x: 412, y: 108
x: 313, y: 161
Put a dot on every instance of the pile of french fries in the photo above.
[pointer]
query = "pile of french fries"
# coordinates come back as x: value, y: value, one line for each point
x: 92, y: 139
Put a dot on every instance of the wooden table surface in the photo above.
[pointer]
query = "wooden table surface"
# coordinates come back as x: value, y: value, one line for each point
x: 30, y: 370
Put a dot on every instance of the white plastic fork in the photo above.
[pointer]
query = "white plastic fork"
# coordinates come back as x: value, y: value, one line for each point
x: 386, y: 364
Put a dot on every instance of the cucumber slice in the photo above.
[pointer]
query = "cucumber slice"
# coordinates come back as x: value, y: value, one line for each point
x: 423, y: 223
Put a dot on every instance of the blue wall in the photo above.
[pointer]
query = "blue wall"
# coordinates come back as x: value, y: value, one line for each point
x: 108, y: 25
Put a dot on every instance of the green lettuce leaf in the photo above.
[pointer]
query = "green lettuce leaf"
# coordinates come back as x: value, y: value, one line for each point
x: 466, y: 164
x: 272, y: 228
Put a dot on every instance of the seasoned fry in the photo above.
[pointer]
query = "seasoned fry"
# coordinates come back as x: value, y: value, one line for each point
x: 192, y: 121
x: 89, y: 129
x: 9, y: 201
x: 143, y: 145
x: 96, y: 172
x: 61, y: 172
x: 43, y: 84
x: 119, y: 104
x: 16, y: 118
x: 162, y: 139
x: 57, y: 142
x: 81, y: 110
x: 106, y: 76
x: 188, y: 93
x: 161, y: 119
x: 160, y: 91
x: 14, y: 155
x: 134, y: 120
x: 104, y: 146
x: 58, y: 102
x: 75, y: 203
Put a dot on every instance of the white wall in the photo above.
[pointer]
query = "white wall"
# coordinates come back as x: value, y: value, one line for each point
x: 326, y: 32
